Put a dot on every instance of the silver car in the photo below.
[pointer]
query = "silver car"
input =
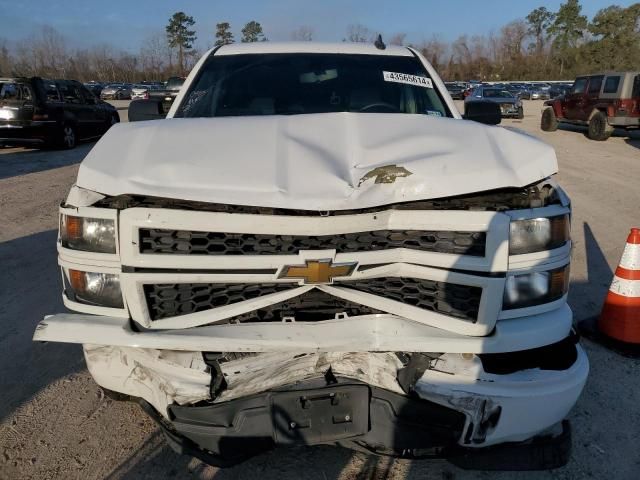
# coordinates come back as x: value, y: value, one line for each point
x: 510, y: 105
x: 116, y: 91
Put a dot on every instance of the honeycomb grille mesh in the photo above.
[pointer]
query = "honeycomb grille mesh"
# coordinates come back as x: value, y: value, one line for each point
x: 186, y: 242
x: 460, y: 301
x: 170, y: 300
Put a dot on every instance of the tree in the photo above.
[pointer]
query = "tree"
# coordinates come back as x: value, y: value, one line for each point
x: 434, y: 50
x: 567, y: 29
x: 179, y: 36
x: 539, y: 20
x: 397, y: 39
x: 359, y: 34
x: 252, y: 32
x: 303, y: 33
x: 223, y: 34
x: 616, y: 39
x: 6, y: 67
x: 155, y: 57
x: 617, y: 23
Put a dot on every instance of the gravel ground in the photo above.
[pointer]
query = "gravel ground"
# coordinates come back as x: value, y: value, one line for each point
x: 56, y: 423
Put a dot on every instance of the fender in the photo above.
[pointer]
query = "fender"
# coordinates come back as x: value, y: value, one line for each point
x: 605, y: 108
x: 556, y: 104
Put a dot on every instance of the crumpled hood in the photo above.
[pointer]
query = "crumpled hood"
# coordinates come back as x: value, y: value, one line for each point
x: 328, y: 161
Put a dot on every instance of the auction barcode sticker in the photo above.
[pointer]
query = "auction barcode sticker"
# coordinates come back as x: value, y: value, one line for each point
x: 416, y: 80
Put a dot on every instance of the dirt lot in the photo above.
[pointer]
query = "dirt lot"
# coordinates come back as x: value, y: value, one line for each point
x: 55, y: 422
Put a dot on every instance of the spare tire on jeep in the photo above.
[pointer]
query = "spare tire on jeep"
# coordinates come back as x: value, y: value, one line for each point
x: 599, y: 128
x: 549, y: 122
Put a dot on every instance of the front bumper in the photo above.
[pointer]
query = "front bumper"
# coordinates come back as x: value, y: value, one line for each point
x: 369, y: 333
x: 356, y: 400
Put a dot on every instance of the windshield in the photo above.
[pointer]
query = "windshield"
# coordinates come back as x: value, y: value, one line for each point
x: 288, y: 84
x: 495, y: 93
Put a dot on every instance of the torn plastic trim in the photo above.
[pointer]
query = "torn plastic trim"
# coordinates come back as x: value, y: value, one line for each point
x: 507, y: 408
x: 161, y: 377
x: 254, y: 374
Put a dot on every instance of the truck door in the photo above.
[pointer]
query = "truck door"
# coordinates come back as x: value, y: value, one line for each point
x: 592, y: 97
x: 576, y: 99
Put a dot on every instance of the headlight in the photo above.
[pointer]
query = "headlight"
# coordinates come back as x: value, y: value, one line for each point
x: 535, y: 288
x: 537, y: 234
x: 88, y: 234
x: 101, y: 289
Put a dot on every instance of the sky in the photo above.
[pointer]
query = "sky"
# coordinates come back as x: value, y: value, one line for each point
x: 125, y: 24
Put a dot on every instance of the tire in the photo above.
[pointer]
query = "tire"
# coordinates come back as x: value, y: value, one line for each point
x: 520, y: 115
x: 599, y: 128
x: 549, y: 122
x: 68, y: 137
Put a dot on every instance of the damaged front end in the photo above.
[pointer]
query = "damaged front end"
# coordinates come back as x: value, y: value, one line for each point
x: 225, y: 408
x: 435, y: 328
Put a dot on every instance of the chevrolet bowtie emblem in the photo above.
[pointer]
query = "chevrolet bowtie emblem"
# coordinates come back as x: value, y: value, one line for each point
x: 318, y: 271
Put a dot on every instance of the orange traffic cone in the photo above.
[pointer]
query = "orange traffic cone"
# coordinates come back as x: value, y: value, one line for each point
x: 620, y: 317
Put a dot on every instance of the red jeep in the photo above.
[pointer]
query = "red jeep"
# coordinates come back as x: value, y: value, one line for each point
x: 602, y: 102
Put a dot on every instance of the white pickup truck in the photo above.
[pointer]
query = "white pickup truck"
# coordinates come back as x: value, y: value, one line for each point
x: 314, y: 247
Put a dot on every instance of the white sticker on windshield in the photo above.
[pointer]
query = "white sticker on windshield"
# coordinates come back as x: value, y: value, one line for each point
x: 416, y: 80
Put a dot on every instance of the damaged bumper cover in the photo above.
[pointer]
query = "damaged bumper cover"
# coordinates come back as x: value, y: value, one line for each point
x: 228, y: 409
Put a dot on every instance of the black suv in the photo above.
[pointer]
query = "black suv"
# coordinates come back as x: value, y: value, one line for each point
x: 51, y: 113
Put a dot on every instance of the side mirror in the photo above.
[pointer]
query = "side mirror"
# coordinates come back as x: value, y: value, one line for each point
x: 483, y: 111
x: 146, y: 110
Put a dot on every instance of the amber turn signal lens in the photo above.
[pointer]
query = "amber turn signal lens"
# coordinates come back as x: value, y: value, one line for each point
x: 73, y: 227
x: 559, y: 282
x: 77, y: 280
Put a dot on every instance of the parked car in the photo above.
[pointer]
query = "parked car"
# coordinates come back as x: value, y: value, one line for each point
x: 559, y: 90
x: 601, y: 101
x: 510, y: 105
x: 541, y: 86
x: 525, y: 93
x: 95, y: 88
x: 169, y: 92
x: 141, y: 91
x: 116, y: 91
x: 538, y: 94
x: 316, y: 248
x: 455, y: 90
x: 515, y: 90
x: 51, y: 113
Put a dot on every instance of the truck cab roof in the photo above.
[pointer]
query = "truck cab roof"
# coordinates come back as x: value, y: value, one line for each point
x: 311, y: 47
